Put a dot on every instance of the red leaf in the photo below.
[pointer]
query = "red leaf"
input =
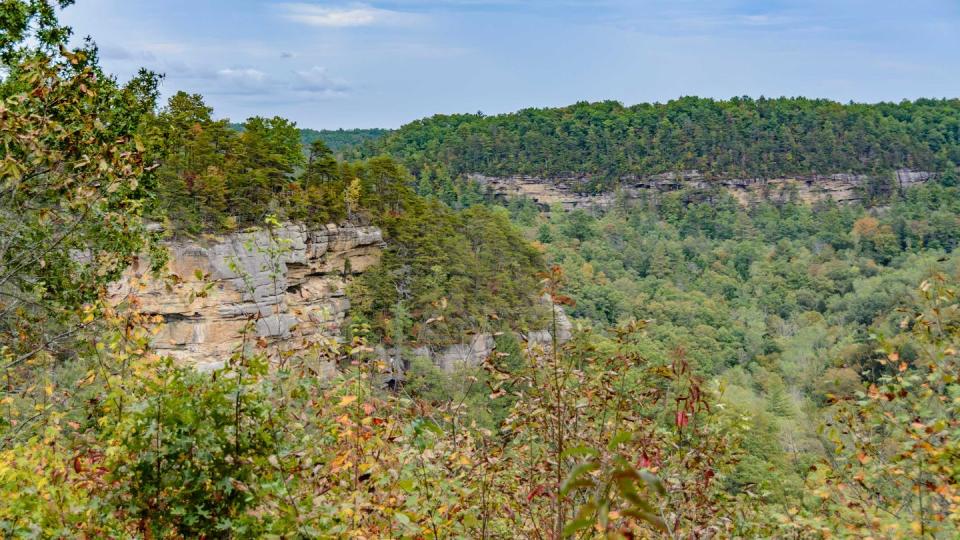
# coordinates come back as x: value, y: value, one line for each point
x: 708, y: 475
x: 682, y: 419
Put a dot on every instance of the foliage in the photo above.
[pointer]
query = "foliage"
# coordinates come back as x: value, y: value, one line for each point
x: 21, y: 20
x: 455, y: 272
x: 342, y: 140
x: 190, y: 447
x: 740, y: 137
x: 776, y: 300
x: 73, y: 181
x: 712, y: 338
x: 211, y: 177
x: 892, y: 469
x: 164, y: 451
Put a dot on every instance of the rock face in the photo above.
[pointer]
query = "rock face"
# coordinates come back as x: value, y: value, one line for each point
x: 843, y: 188
x: 285, y: 287
x: 475, y: 349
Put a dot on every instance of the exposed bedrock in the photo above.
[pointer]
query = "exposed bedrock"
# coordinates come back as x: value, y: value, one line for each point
x: 843, y: 188
x: 285, y: 287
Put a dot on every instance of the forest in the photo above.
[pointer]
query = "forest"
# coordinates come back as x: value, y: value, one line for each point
x: 775, y: 370
x: 342, y: 139
x: 336, y: 140
x: 737, y: 138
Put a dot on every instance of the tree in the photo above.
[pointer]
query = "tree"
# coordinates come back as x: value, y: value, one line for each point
x: 270, y: 154
x: 892, y: 470
x: 197, y: 156
x: 21, y: 20
x: 875, y: 240
x: 320, y: 193
x: 73, y: 171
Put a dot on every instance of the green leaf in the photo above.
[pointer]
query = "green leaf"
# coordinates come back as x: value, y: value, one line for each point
x: 653, y: 482
x: 618, y: 439
x: 574, y: 479
x: 646, y: 516
x: 579, y: 451
x: 583, y: 520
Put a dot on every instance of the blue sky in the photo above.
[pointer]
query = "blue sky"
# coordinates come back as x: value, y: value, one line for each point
x: 385, y: 63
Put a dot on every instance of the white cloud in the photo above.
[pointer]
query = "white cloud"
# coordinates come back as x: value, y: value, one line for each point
x: 343, y: 17
x: 241, y: 80
x: 247, y: 75
x: 317, y: 80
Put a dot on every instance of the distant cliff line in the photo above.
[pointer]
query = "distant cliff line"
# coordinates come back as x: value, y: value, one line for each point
x: 567, y: 191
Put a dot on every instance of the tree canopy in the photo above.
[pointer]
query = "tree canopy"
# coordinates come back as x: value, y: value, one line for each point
x: 778, y: 370
x: 740, y: 137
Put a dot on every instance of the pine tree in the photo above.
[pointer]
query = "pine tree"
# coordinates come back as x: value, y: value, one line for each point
x: 779, y: 402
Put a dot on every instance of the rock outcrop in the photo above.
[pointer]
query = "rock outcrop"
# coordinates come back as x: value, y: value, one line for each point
x: 475, y: 349
x: 285, y: 287
x: 843, y: 188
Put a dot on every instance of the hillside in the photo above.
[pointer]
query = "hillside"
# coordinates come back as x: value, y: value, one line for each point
x: 736, y: 138
x: 214, y: 331
x: 342, y: 139
x: 337, y: 140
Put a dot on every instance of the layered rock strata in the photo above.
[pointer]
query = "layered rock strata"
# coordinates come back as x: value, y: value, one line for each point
x: 226, y: 292
x: 843, y: 188
x: 285, y: 288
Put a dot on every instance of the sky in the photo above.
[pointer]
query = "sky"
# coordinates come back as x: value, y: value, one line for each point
x: 385, y: 63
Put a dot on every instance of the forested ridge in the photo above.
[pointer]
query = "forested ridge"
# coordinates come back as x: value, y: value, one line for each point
x: 735, y: 138
x: 777, y: 370
x: 340, y: 140
x: 337, y: 140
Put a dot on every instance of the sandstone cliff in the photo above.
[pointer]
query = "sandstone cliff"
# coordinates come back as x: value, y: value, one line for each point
x: 843, y: 188
x: 286, y: 287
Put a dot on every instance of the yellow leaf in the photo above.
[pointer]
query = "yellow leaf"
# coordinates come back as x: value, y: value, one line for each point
x: 346, y: 400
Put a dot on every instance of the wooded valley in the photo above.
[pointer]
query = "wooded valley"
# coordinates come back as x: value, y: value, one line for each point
x: 778, y: 369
